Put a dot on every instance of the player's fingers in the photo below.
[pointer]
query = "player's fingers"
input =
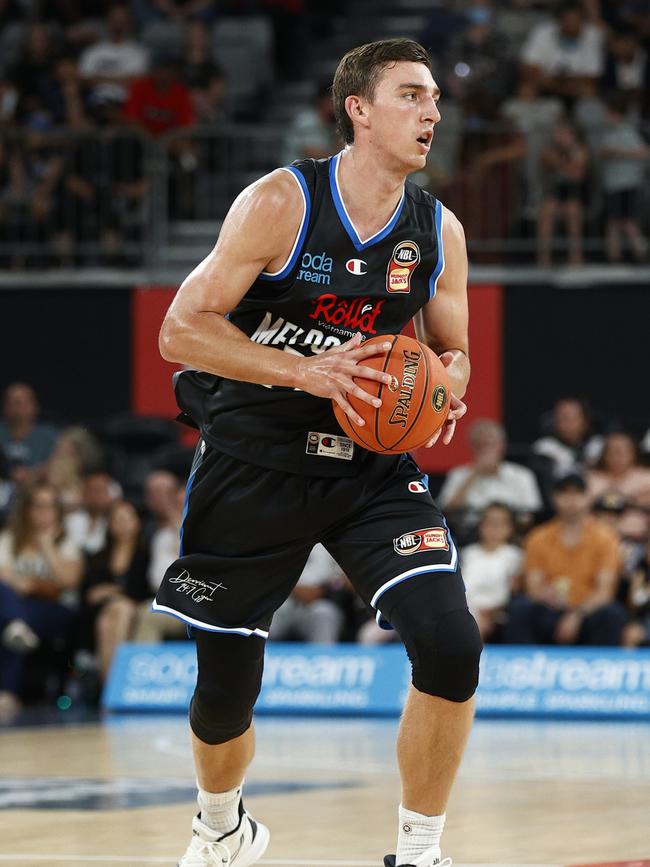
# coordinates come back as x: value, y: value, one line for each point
x: 353, y: 343
x: 362, y: 372
x: 352, y: 388
x: 348, y: 410
x: 366, y: 351
x: 449, y: 432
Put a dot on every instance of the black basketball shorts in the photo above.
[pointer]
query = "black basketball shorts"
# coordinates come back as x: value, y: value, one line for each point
x: 247, y: 532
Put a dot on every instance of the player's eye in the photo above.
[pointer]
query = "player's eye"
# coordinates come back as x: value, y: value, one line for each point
x: 412, y: 95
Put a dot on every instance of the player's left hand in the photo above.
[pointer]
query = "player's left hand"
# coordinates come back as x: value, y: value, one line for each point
x: 457, y: 411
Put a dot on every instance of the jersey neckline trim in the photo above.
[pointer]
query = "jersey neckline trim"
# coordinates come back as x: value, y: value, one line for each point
x: 300, y: 237
x: 344, y: 217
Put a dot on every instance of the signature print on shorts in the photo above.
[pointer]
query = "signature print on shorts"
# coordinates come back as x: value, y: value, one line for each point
x: 199, y: 591
x: 431, y: 538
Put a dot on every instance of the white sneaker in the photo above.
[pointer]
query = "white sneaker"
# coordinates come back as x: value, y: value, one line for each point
x: 240, y: 848
x: 429, y: 858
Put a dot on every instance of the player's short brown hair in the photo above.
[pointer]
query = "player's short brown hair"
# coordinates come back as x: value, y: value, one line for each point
x: 359, y: 70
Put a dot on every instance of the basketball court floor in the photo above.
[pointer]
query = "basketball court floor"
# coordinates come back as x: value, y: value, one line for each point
x: 529, y: 793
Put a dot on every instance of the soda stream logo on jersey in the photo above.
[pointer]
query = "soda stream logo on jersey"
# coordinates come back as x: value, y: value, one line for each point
x: 431, y: 538
x: 405, y: 259
x: 316, y: 268
x: 357, y: 314
x: 400, y: 413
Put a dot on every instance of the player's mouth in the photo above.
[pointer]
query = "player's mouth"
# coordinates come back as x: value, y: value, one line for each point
x: 424, y: 141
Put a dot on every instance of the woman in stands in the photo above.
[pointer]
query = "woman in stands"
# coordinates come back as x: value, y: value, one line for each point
x: 40, y: 569
x: 115, y: 581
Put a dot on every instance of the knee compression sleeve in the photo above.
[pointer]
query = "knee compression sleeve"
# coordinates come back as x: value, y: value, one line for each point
x: 228, y: 683
x: 444, y: 646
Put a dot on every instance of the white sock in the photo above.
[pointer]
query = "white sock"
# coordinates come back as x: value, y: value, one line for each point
x: 417, y: 833
x: 220, y: 811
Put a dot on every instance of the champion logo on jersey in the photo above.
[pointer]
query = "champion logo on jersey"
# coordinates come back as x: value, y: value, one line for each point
x: 356, y: 266
x: 417, y: 487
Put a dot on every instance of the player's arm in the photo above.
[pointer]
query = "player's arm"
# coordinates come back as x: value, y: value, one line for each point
x: 442, y: 324
x: 257, y: 235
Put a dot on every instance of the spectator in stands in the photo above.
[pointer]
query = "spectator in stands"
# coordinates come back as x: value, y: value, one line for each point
x: 87, y: 526
x: 571, y: 572
x: 65, y: 96
x: 625, y: 66
x: 308, y: 614
x: 8, y: 101
x: 620, y: 470
x: 637, y: 630
x: 26, y: 442
x: 33, y: 69
x: 565, y: 56
x: 160, y: 102
x: 469, y: 489
x: 116, y: 60
x: 75, y: 454
x: 613, y: 511
x: 564, y: 164
x: 312, y: 134
x: 177, y: 11
x: 40, y: 569
x: 164, y: 545
x: 201, y: 74
x: 570, y: 444
x: 115, y: 582
x: 160, y: 500
x: 624, y: 156
x: 491, y: 567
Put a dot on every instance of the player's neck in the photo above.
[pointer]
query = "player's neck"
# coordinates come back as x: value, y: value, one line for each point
x: 370, y: 190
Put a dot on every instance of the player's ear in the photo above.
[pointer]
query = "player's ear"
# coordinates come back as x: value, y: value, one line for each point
x: 357, y: 110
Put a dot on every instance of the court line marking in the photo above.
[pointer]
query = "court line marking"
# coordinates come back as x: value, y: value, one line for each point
x: 283, y: 862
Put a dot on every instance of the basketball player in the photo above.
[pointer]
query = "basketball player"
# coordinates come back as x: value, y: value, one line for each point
x: 311, y: 260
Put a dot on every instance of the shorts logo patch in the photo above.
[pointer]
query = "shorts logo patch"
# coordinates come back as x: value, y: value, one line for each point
x: 329, y: 446
x: 430, y: 539
x: 199, y: 591
x: 417, y: 487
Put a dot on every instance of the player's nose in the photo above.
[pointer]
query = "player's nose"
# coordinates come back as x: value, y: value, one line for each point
x: 431, y: 113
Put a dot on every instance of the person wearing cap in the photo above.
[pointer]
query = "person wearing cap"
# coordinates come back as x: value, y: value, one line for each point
x: 572, y: 564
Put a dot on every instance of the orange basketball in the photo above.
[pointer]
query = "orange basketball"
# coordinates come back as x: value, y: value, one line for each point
x: 413, y: 406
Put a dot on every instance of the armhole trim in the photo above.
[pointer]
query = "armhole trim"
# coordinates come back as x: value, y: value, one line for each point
x: 440, y: 264
x: 302, y: 231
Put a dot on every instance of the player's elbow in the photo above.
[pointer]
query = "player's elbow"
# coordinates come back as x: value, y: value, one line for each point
x: 170, y: 339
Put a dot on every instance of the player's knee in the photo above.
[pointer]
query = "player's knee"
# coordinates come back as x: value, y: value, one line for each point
x: 445, y: 655
x: 228, y: 683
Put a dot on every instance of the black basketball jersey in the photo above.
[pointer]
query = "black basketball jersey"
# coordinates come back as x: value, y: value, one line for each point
x: 332, y: 286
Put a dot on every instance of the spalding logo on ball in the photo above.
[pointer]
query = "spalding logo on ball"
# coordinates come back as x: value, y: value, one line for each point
x: 414, y: 405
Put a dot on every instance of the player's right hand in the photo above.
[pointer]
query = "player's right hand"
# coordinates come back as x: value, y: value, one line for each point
x: 332, y: 373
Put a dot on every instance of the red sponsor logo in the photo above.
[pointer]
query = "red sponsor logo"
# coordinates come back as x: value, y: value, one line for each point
x: 359, y: 314
x: 431, y: 538
x: 405, y: 259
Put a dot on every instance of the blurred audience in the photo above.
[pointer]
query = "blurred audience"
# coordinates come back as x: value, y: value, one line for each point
x: 160, y: 102
x: 202, y: 75
x: 312, y: 134
x: 571, y: 571
x: 491, y: 566
x: 114, y: 583
x: 565, y: 56
x: 620, y: 470
x: 88, y: 524
x: 625, y: 157
x: 564, y: 164
x: 469, y: 489
x: 570, y: 444
x: 160, y: 494
x: 308, y: 614
x: 637, y: 630
x: 40, y: 571
x: 75, y: 454
x: 26, y: 442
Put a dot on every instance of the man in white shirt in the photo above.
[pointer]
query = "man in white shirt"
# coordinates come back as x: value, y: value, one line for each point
x: 565, y: 56
x: 488, y: 479
x: 117, y: 59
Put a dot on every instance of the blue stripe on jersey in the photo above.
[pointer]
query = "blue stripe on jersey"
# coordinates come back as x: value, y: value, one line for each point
x: 301, y: 235
x: 196, y: 463
x: 347, y: 223
x: 440, y: 264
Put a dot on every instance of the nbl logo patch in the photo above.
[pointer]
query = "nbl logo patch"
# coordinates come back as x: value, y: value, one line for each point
x: 405, y: 259
x: 429, y: 539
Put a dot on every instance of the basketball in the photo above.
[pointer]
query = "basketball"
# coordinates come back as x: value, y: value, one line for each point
x: 414, y: 405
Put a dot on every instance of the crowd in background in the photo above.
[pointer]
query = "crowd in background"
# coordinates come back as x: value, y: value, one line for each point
x: 546, y: 115
x: 554, y: 547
